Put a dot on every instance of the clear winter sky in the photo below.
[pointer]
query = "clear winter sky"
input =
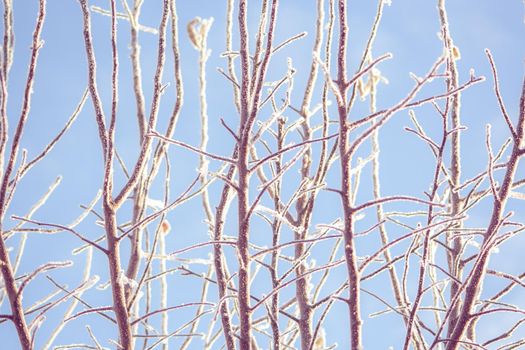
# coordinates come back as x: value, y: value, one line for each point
x: 409, y: 30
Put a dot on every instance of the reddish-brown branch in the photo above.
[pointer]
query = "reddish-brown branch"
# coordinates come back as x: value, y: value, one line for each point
x: 426, y: 255
x: 98, y: 310
x: 417, y: 103
x: 136, y: 70
x: 203, y: 244
x: 474, y: 283
x: 163, y: 310
x: 145, y: 178
x: 289, y: 148
x: 387, y: 246
x: 276, y: 225
x: 92, y: 78
x: 453, y: 107
x: 506, y: 334
x: 390, y: 112
x: 64, y: 228
x: 504, y: 112
x: 248, y: 113
x: 293, y: 280
x: 138, y: 170
x: 378, y: 201
x: 9, y: 39
x: 354, y: 301
x: 12, y: 291
x: 116, y: 277
x: 154, y: 133
x: 161, y: 148
x: 219, y: 260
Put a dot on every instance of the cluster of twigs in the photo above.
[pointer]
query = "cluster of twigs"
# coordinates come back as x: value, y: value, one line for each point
x: 270, y: 198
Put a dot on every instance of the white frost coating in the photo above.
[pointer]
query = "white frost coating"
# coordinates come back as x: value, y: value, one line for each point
x: 195, y: 261
x: 92, y: 281
x: 473, y: 243
x: 38, y: 322
x: 103, y: 286
x: 140, y: 294
x: 149, y: 327
x: 104, y: 12
x: 361, y: 163
x: 309, y: 288
x: 263, y: 325
x: 154, y: 203
x: 517, y: 195
x: 127, y: 281
x: 278, y: 216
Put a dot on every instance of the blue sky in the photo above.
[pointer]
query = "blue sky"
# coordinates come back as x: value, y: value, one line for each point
x: 409, y: 31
